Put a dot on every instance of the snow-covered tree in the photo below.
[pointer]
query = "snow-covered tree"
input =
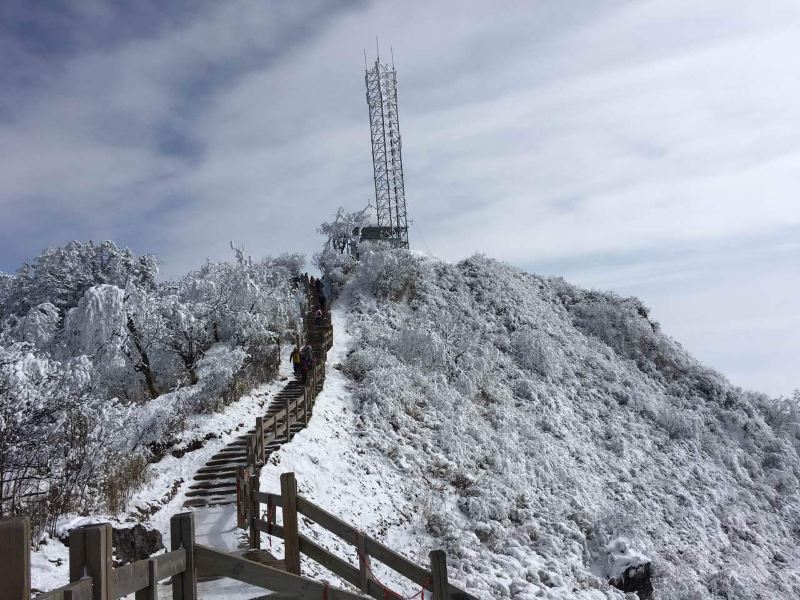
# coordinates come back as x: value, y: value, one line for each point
x: 60, y: 276
x: 340, y: 252
x: 99, y: 362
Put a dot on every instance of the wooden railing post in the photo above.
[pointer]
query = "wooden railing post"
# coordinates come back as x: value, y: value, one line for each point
x: 151, y: 591
x: 260, y: 441
x: 288, y: 406
x: 305, y: 406
x: 441, y: 589
x: 255, y: 511
x: 181, y: 528
x: 241, y: 498
x: 363, y: 563
x: 291, y: 539
x: 90, y: 556
x: 15, y: 558
x: 251, y: 451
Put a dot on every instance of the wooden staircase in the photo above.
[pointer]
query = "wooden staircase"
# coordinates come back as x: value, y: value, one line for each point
x: 214, y: 484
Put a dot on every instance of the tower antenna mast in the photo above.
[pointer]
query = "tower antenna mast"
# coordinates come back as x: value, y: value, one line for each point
x: 387, y: 156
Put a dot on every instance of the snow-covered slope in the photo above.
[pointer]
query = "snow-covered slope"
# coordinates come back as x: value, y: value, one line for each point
x: 548, y: 438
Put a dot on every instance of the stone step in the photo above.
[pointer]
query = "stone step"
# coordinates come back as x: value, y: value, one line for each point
x: 227, y: 454
x: 208, y: 485
x: 217, y: 469
x: 211, y: 493
x: 199, y: 502
x: 215, y: 476
x: 231, y: 462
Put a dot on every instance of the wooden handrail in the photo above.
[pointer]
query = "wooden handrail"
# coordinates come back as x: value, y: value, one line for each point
x: 135, y: 576
x: 90, y: 553
x: 80, y: 590
x: 372, y: 547
x: 214, y: 563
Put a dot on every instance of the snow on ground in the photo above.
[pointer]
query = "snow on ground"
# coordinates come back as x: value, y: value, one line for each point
x: 547, y: 437
x: 164, y: 494
x: 333, y: 472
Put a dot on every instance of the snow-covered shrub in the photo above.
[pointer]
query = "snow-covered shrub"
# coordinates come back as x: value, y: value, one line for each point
x: 339, y: 256
x: 535, y: 352
x: 54, y: 434
x: 393, y: 274
x: 336, y: 268
x: 39, y: 327
x: 678, y: 424
x: 216, y: 372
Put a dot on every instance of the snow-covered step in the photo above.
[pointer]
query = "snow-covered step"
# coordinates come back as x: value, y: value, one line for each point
x: 216, y: 492
x: 207, y: 485
x: 215, y: 476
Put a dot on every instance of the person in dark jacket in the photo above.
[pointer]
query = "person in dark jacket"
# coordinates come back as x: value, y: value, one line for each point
x: 307, y: 360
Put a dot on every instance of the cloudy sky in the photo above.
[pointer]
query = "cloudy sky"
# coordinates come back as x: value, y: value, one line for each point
x: 649, y: 147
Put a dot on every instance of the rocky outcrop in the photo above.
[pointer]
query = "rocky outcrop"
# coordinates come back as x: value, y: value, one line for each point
x: 135, y: 543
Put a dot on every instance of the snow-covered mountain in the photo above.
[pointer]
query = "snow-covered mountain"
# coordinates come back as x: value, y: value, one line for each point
x: 550, y: 438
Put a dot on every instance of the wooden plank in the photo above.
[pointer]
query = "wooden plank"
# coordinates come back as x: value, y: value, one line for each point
x: 241, y: 506
x: 259, y: 441
x: 171, y: 563
x: 77, y: 554
x: 90, y: 555
x: 288, y: 421
x: 363, y: 562
x: 291, y: 543
x: 343, y: 569
x: 265, y: 497
x: 212, y: 562
x: 439, y: 572
x: 276, y: 530
x: 254, y: 506
x: 131, y: 578
x: 15, y: 557
x: 77, y: 590
x: 150, y: 591
x: 134, y: 577
x: 375, y: 549
x: 327, y: 520
x: 184, y: 584
x: 330, y: 561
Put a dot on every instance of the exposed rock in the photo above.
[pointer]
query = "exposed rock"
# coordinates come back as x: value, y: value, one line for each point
x: 637, y: 579
x: 135, y: 543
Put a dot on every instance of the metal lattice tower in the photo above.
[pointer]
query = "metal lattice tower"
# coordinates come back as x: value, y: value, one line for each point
x: 387, y: 158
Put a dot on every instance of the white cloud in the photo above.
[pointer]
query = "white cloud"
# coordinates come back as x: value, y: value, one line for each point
x: 535, y: 132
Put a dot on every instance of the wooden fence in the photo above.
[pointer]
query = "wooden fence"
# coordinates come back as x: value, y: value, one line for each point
x: 93, y: 577
x: 276, y: 427
x: 249, y: 500
x: 249, y: 516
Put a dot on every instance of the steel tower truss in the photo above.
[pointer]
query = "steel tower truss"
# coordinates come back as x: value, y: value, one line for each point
x: 387, y: 158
